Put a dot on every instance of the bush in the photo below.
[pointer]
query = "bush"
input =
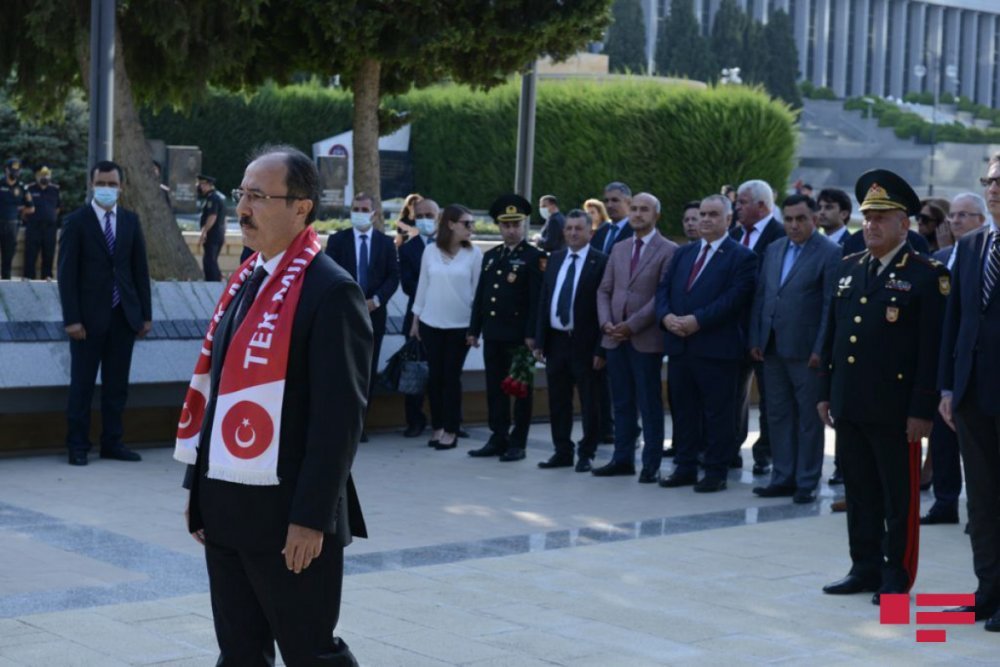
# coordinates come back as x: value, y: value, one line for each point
x: 676, y: 142
x: 946, y: 98
x: 925, y: 97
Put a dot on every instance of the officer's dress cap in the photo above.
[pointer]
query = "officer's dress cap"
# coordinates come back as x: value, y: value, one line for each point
x: 12, y: 163
x: 206, y: 178
x: 883, y: 190
x: 510, y: 208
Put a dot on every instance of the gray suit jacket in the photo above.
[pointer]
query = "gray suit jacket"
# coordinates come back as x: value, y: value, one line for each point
x: 796, y: 311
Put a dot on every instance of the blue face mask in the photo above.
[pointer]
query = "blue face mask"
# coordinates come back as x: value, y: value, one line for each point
x: 426, y: 226
x: 361, y: 220
x: 105, y: 197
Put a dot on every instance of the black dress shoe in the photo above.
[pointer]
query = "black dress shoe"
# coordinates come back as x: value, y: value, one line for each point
x: 993, y: 623
x: 669, y: 451
x: 761, y: 469
x: 736, y: 463
x: 877, y: 596
x: 556, y: 461
x: 933, y: 518
x: 804, y: 496
x: 849, y: 585
x: 675, y: 480
x: 512, y: 454
x: 710, y: 485
x: 612, y: 469
x: 451, y: 445
x: 982, y: 609
x: 413, y: 431
x: 489, y: 449
x: 649, y: 476
x: 583, y: 465
x: 836, y: 478
x: 120, y: 453
x: 78, y: 458
x: 774, y: 491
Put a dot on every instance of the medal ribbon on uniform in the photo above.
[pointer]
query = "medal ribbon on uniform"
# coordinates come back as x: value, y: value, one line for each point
x: 247, y: 422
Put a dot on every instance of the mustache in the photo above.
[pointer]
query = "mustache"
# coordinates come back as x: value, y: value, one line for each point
x: 247, y: 221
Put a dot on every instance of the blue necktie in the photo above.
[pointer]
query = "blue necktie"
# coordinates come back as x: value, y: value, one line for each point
x: 363, y: 265
x: 565, y: 301
x: 610, y: 241
x: 791, y: 255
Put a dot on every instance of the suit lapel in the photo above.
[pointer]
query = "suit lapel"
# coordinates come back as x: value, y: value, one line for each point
x: 807, y: 250
x: 97, y: 230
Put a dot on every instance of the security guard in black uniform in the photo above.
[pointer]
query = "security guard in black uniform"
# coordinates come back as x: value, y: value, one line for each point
x: 14, y: 203
x: 213, y: 227
x: 878, y: 385
x: 42, y: 225
x: 505, y: 312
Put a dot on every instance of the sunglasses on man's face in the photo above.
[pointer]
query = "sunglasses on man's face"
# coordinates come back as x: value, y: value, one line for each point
x: 990, y: 181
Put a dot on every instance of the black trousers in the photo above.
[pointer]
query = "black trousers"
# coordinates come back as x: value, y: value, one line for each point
x: 604, y: 411
x: 567, y: 365
x: 947, y: 464
x: 979, y: 438
x: 40, y: 238
x: 761, y: 448
x: 110, y: 351
x: 210, y: 262
x: 882, y: 483
x: 8, y: 245
x: 446, y: 351
x: 497, y: 356
x: 703, y: 409
x: 257, y: 600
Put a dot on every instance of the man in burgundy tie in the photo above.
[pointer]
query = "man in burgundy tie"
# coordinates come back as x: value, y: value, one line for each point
x: 625, y: 310
x: 105, y: 293
x: 701, y: 305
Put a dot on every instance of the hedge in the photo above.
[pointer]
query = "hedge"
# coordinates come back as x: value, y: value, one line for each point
x: 677, y: 142
x: 910, y: 125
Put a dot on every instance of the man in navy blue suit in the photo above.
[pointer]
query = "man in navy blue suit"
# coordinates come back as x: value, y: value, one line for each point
x: 425, y: 214
x: 970, y: 402
x: 702, y: 304
x: 105, y: 293
x: 370, y: 257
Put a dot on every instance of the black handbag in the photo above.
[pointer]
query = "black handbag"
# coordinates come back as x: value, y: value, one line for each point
x: 406, y: 370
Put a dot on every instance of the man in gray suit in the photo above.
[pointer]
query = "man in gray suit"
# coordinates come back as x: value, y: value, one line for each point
x: 787, y: 327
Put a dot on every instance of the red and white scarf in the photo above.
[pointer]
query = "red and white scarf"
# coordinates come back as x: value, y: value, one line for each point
x: 247, y: 424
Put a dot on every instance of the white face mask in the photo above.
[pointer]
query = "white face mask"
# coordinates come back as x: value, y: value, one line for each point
x: 544, y: 212
x: 361, y: 221
x: 425, y: 226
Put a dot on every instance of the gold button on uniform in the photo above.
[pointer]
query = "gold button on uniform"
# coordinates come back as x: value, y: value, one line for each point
x: 899, y: 377
x: 854, y: 339
x: 493, y: 313
x: 850, y: 360
x: 864, y: 299
x: 857, y: 319
x: 496, y: 286
x: 493, y: 299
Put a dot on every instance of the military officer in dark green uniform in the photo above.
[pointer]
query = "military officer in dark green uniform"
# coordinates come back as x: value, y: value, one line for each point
x: 15, y: 202
x: 505, y: 312
x: 878, y: 388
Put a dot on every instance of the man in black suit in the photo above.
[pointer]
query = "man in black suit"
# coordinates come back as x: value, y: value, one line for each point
x: 370, y: 257
x: 106, y: 303
x: 275, y: 548
x: 756, y: 230
x: 970, y: 403
x: 834, y: 214
x: 569, y: 341
x: 550, y: 238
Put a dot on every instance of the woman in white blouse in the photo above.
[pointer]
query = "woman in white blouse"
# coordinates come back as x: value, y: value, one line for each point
x: 449, y: 272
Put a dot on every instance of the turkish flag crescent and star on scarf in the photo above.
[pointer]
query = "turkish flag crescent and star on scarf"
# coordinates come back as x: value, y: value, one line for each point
x: 247, y: 423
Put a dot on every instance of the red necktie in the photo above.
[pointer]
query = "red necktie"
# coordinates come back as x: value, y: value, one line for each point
x: 697, y: 267
x: 746, y: 236
x: 636, y: 249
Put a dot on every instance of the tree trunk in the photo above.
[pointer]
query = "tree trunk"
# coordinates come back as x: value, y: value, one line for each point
x: 169, y: 257
x: 366, y: 103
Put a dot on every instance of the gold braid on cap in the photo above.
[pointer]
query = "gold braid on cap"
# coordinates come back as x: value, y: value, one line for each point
x: 878, y: 199
x: 511, y: 214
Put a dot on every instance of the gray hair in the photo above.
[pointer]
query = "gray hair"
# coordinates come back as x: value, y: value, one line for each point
x: 727, y: 206
x: 620, y: 187
x: 976, y: 200
x: 655, y: 199
x: 760, y: 191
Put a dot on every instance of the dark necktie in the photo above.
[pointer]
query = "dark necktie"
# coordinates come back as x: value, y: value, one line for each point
x: 746, y: 236
x: 992, y: 271
x: 109, y: 238
x: 249, y: 294
x: 696, y: 269
x: 565, y: 302
x: 636, y: 251
x: 610, y: 241
x: 363, y: 265
x: 873, y: 265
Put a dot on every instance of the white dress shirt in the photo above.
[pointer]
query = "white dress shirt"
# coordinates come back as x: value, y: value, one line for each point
x: 713, y: 248
x: 446, y: 287
x: 837, y: 235
x: 270, y: 266
x: 100, y: 212
x: 581, y: 257
x: 755, y: 232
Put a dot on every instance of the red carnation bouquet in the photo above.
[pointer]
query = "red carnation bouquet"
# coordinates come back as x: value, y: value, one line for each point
x: 521, y: 375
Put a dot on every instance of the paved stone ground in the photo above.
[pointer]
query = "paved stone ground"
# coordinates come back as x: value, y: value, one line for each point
x: 471, y: 562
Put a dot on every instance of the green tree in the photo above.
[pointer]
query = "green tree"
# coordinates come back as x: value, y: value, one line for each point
x: 728, y: 34
x: 625, y: 44
x: 681, y: 50
x: 782, y: 63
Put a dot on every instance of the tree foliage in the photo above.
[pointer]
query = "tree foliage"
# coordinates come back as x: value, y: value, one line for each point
x: 625, y: 44
x: 681, y: 50
x: 728, y: 34
x: 782, y: 65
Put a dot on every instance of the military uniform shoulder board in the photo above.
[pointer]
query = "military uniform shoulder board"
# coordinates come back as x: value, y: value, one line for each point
x: 944, y: 285
x: 543, y: 262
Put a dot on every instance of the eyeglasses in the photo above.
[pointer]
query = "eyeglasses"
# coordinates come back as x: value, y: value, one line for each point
x: 468, y: 223
x: 963, y: 215
x: 990, y: 180
x: 238, y: 194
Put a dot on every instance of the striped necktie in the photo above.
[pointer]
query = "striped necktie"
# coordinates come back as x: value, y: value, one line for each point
x: 992, y: 270
x: 109, y: 238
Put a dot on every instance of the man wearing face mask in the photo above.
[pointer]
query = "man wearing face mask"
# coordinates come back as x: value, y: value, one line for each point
x: 551, y: 237
x: 41, y: 226
x: 105, y: 293
x: 425, y: 215
x: 15, y: 202
x: 370, y: 257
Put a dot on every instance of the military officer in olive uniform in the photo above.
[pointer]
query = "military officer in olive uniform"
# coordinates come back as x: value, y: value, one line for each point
x: 878, y: 388
x: 505, y: 312
x: 15, y: 202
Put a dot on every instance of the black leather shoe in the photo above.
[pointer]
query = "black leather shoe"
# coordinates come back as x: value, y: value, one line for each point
x: 413, y: 431
x: 556, y: 461
x: 933, y: 518
x: 710, y: 485
x: 774, y: 491
x: 451, y: 445
x: 761, y: 469
x: 804, y: 496
x: 489, y: 449
x: 836, y: 478
x: 512, y: 454
x: 982, y: 609
x: 675, y: 480
x: 612, y: 469
x: 649, y: 476
x: 849, y: 585
x: 120, y: 453
x: 583, y: 465
x: 993, y: 623
x: 736, y: 463
x: 877, y: 596
x: 78, y: 458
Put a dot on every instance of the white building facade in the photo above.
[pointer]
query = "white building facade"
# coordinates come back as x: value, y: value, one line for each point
x: 881, y: 47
